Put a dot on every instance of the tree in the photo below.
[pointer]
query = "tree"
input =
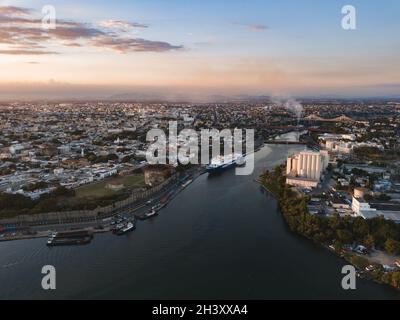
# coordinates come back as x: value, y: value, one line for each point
x: 62, y: 191
x: 392, y: 246
x: 344, y: 236
x: 369, y: 241
x: 395, y: 279
x: 337, y: 245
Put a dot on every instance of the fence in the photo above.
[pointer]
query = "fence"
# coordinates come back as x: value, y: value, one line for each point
x: 85, y: 215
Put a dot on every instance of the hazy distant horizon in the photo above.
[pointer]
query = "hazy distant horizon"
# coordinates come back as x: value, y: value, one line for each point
x: 109, y: 93
x: 198, y: 49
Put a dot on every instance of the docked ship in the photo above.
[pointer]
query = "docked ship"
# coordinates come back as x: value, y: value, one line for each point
x: 130, y: 226
x: 222, y: 163
x: 73, y: 237
x: 151, y: 213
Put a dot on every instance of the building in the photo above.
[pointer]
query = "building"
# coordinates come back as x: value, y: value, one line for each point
x: 362, y: 207
x: 16, y: 148
x: 305, y: 168
x: 390, y: 211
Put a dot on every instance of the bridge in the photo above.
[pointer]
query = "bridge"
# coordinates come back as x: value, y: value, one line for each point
x: 284, y: 142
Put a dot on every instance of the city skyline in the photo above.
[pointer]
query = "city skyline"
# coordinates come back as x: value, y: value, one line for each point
x: 173, y: 49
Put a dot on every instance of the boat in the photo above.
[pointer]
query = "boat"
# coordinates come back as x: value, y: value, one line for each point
x: 117, y: 227
x: 68, y: 241
x: 222, y: 163
x: 151, y: 213
x: 184, y: 185
x: 74, y: 237
x: 130, y: 226
x: 159, y: 206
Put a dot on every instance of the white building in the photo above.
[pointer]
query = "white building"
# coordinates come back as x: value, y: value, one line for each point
x: 365, y: 210
x: 16, y: 148
x: 360, y: 207
x: 338, y: 146
x: 58, y: 171
x: 305, y: 168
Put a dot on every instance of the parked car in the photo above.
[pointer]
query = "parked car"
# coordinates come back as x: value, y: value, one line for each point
x: 370, y: 268
x: 360, y: 249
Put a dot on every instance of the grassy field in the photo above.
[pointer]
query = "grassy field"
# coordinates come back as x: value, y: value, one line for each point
x: 101, y: 189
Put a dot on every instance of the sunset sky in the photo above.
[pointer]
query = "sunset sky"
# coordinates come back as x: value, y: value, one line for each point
x: 199, y: 48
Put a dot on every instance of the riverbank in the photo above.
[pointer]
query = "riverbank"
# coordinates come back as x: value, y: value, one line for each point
x: 102, y: 225
x: 333, y: 233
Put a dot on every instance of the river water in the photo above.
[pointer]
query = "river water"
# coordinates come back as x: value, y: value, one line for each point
x: 221, y: 238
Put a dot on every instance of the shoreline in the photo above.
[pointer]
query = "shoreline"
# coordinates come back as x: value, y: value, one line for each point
x: 345, y: 255
x: 173, y: 190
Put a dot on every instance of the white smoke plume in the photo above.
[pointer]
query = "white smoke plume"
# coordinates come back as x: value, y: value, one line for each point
x: 295, y: 107
x: 292, y: 105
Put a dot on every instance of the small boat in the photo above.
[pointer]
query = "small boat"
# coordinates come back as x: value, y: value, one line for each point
x: 118, y: 227
x: 159, y: 206
x: 184, y: 185
x: 130, y: 226
x: 151, y: 213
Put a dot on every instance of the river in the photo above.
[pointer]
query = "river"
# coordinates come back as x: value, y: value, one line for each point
x: 221, y: 238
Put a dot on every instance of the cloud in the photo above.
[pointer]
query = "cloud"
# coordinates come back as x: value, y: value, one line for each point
x: 124, y: 45
x: 252, y: 27
x: 10, y: 10
x: 26, y: 52
x: 22, y: 33
x: 75, y: 33
x: 122, y: 25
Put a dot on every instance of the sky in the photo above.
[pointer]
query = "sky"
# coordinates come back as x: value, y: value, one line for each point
x: 198, y: 49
